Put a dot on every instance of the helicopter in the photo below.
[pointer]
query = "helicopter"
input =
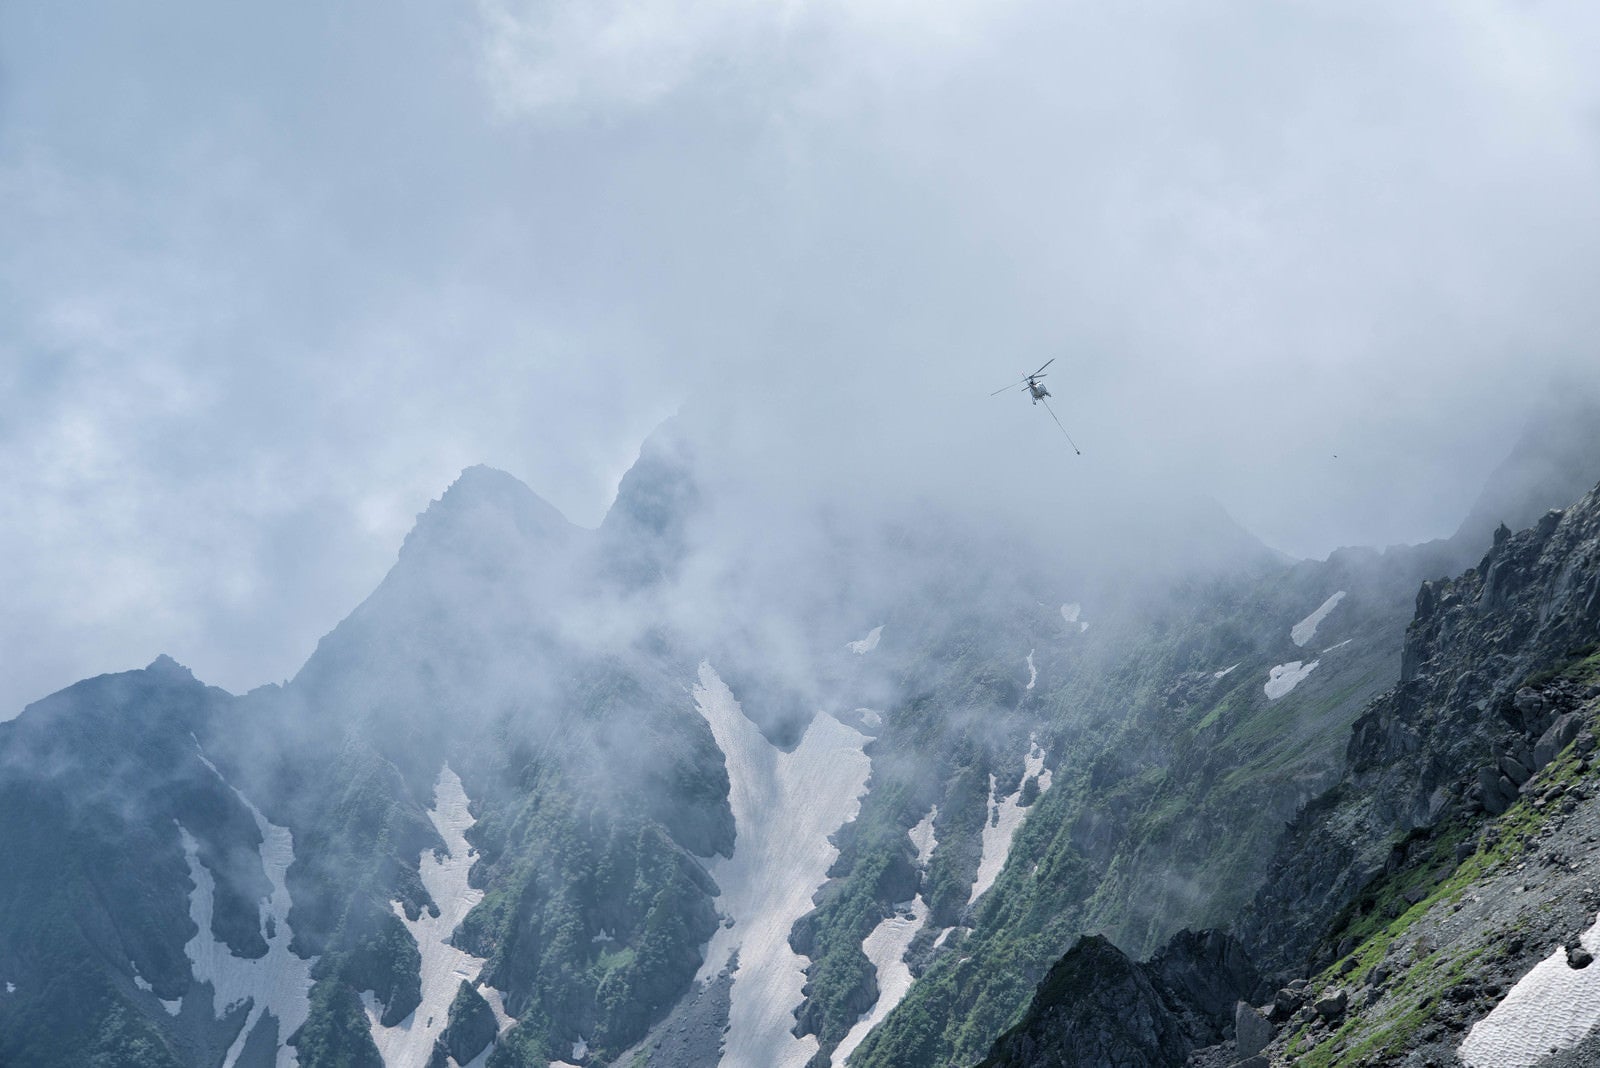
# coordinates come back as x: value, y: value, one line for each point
x: 1038, y: 392
x: 1032, y: 384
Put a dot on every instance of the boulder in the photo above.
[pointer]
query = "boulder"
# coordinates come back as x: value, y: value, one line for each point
x: 1251, y: 1030
x: 1557, y: 738
x: 1331, y: 1006
x: 1498, y: 793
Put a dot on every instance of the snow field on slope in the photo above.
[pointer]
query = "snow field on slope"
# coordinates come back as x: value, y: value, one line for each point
x: 867, y: 644
x: 1551, y: 1008
x: 1071, y: 612
x: 1033, y: 672
x: 1283, y: 678
x: 279, y: 982
x: 785, y: 805
x: 1006, y: 816
x: 1225, y: 672
x: 409, y: 1043
x: 886, y: 947
x: 1306, y: 629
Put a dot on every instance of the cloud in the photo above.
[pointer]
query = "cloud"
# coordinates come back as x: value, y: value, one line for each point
x: 556, y: 58
x: 266, y: 286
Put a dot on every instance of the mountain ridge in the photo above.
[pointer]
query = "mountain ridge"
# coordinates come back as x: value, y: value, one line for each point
x: 1052, y: 753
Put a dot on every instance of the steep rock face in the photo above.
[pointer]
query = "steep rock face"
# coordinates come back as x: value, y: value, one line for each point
x: 1453, y: 736
x: 1174, y: 771
x: 1475, y: 942
x: 1172, y: 814
x: 1424, y: 890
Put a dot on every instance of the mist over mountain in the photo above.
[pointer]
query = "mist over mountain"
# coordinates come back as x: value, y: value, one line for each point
x: 688, y: 533
x: 275, y: 278
x: 729, y: 781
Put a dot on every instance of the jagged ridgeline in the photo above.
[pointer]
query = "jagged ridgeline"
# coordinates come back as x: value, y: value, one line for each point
x: 652, y: 794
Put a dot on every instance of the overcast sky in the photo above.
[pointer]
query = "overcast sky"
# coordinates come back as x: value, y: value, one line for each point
x: 270, y: 275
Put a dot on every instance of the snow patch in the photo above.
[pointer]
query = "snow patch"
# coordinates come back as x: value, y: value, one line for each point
x: 1224, y: 672
x: 1006, y: 816
x: 886, y: 948
x: 279, y: 982
x: 867, y: 644
x: 409, y: 1043
x: 785, y: 805
x: 11, y: 988
x: 1306, y: 629
x: 580, y: 1049
x: 923, y: 838
x: 142, y: 983
x: 1341, y: 645
x: 1551, y: 1008
x: 1284, y: 677
x: 1033, y: 672
x: 1071, y: 612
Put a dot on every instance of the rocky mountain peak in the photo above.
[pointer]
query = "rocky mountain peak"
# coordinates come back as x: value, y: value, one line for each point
x: 166, y: 668
x: 486, y: 511
x: 644, y: 536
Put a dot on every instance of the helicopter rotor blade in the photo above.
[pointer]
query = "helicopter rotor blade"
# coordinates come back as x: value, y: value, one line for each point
x: 1013, y: 385
x: 1046, y: 363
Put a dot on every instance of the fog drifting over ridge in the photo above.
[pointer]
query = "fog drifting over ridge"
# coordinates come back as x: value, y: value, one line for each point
x: 269, y: 280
